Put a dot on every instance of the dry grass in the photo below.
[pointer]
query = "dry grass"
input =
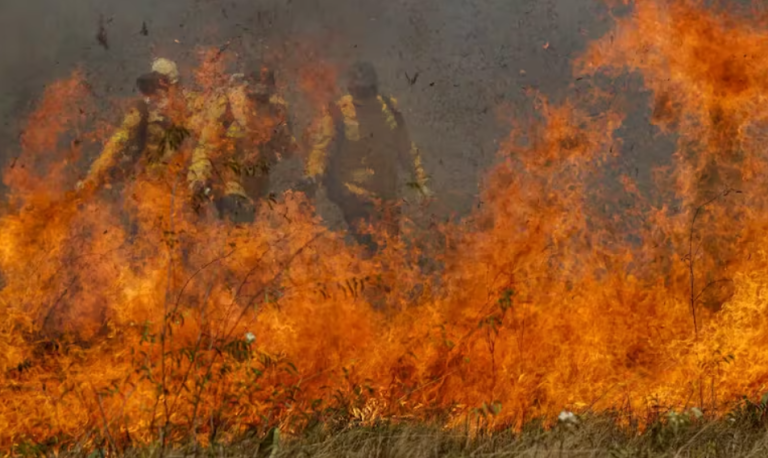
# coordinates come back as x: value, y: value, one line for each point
x: 741, y: 434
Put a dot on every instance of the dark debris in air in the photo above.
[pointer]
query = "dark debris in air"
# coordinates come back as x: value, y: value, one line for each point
x: 412, y: 80
x: 101, y: 36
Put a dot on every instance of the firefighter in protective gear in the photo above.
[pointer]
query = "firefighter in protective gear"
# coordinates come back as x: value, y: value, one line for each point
x: 150, y: 132
x: 359, y: 144
x: 254, y: 136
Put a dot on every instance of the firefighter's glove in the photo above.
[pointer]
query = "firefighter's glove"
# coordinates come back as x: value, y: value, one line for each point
x: 236, y: 208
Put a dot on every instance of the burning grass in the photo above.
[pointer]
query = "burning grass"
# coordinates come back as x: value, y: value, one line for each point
x: 127, y: 320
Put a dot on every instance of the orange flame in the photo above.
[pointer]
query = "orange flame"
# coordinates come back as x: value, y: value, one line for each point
x: 40, y: 168
x: 540, y: 303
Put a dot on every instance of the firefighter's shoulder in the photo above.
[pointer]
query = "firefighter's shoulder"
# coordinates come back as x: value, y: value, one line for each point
x: 345, y: 100
x: 211, y: 104
x: 392, y: 101
x: 133, y: 115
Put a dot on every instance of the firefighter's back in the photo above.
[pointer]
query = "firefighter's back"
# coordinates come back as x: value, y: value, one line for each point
x: 367, y: 152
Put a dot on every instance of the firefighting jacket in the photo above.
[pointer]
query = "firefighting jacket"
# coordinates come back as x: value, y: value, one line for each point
x: 244, y: 136
x: 358, y: 147
x: 142, y: 140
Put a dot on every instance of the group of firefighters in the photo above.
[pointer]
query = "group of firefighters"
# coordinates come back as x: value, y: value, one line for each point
x: 241, y: 130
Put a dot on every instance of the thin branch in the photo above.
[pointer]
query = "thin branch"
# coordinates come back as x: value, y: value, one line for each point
x: 198, y: 271
x: 691, y: 263
x: 196, y: 348
x: 692, y: 274
x: 712, y: 283
x: 58, y: 300
x: 693, y: 438
x: 106, y: 425
x: 228, y: 335
x: 272, y: 280
x: 168, y: 288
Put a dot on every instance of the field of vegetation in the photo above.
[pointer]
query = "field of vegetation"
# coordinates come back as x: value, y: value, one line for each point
x: 741, y: 434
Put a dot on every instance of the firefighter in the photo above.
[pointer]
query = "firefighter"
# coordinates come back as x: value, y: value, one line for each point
x: 150, y: 132
x: 253, y: 136
x: 359, y: 144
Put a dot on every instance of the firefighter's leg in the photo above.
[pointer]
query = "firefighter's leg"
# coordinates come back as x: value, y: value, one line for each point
x: 256, y: 186
x: 236, y: 208
x: 391, y: 216
x: 358, y: 213
x: 388, y: 292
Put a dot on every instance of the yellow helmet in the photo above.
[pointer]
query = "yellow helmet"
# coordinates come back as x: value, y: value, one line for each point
x: 166, y: 67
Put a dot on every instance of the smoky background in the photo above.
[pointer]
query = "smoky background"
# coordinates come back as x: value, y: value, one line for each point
x: 474, y: 60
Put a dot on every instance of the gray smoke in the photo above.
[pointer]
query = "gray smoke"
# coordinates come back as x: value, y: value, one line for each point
x: 471, y: 56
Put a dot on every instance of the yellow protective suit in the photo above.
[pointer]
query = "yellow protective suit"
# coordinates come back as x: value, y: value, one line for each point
x: 361, y: 144
x: 150, y: 134
x: 357, y: 150
x: 241, y: 143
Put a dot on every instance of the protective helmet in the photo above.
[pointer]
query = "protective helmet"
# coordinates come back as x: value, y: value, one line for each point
x: 166, y: 67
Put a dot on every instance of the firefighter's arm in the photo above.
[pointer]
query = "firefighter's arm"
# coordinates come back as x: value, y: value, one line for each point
x: 322, y: 136
x: 418, y: 167
x: 112, y: 149
x: 199, y: 172
x: 419, y: 175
